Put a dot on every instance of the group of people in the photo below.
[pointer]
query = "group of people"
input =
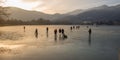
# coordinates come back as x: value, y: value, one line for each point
x: 89, y: 32
x: 61, y: 33
x: 78, y: 27
x: 74, y: 27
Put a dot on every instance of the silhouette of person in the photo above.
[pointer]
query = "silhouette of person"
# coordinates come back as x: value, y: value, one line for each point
x: 62, y: 31
x: 55, y: 33
x: 63, y: 34
x: 36, y: 33
x: 47, y: 31
x: 24, y: 28
x: 89, y: 40
x: 90, y: 31
x: 76, y: 27
x: 71, y: 28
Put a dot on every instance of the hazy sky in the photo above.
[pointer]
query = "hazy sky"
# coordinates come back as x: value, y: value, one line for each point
x: 59, y: 6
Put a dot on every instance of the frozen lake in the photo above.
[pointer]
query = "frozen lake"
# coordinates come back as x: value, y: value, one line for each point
x: 17, y: 44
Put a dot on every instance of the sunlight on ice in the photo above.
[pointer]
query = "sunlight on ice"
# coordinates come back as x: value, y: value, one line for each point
x: 11, y: 46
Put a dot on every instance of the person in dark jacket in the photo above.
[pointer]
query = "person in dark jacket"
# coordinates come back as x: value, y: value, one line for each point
x: 36, y: 33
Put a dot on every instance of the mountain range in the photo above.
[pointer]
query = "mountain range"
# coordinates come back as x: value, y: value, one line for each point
x: 101, y: 13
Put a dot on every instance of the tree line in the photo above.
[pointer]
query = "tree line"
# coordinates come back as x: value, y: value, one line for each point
x: 20, y: 22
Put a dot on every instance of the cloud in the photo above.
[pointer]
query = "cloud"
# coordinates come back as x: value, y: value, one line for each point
x: 53, y: 6
x: 29, y: 1
x: 63, y: 6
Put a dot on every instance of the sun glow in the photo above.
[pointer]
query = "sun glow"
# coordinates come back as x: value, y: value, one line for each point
x: 23, y: 5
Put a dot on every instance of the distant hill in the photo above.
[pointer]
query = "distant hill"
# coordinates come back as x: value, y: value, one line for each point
x: 75, y: 12
x: 101, y: 13
x: 25, y: 15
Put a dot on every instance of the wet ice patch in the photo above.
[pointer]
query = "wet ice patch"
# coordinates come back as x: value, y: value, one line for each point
x: 10, y: 49
x: 10, y: 36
